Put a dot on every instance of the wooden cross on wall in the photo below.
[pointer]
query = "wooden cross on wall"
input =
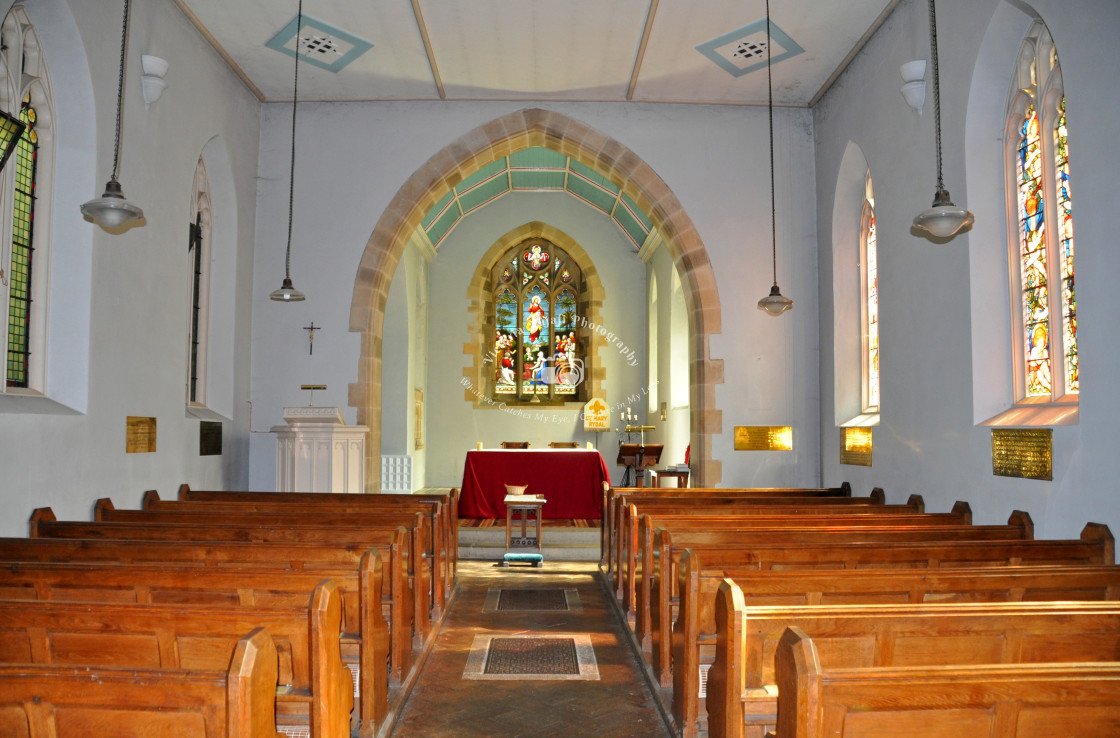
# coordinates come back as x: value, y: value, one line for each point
x: 311, y: 336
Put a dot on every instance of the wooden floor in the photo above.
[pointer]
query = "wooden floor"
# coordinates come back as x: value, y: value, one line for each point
x: 616, y: 705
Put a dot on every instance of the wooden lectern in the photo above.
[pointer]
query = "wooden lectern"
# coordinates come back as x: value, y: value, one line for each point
x: 636, y: 457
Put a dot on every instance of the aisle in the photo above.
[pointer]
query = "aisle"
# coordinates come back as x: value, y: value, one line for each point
x: 507, y: 605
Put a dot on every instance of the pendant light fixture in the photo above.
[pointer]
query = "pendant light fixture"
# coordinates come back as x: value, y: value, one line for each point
x: 775, y: 303
x: 112, y: 211
x: 287, y: 292
x: 944, y: 219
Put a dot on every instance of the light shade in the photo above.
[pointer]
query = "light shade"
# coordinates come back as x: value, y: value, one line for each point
x: 944, y: 219
x: 112, y: 210
x: 775, y: 303
x: 286, y: 293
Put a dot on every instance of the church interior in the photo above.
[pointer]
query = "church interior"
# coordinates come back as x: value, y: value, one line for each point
x: 439, y: 228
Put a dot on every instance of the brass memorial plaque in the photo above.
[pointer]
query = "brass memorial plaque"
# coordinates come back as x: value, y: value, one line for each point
x: 855, y: 446
x: 1022, y: 452
x: 140, y: 435
x: 209, y: 438
x: 763, y: 438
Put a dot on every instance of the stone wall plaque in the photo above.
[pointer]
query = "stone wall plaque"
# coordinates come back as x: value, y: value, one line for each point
x: 209, y: 438
x: 140, y: 435
x: 763, y: 438
x: 855, y: 446
x: 1023, y: 452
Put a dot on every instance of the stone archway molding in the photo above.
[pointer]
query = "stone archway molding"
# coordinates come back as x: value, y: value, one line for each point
x: 523, y: 129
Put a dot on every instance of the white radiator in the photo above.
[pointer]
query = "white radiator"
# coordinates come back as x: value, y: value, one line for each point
x: 396, y: 474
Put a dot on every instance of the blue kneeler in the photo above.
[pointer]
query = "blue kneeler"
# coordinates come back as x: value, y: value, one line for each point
x: 535, y: 559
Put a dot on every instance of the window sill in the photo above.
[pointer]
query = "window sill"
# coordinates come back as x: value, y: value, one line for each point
x: 1035, y: 416
x: 30, y: 402
x: 201, y: 412
x: 863, y: 420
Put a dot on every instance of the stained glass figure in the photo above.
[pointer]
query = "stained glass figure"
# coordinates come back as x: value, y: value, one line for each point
x: 505, y: 343
x: 537, y: 340
x: 1065, y: 250
x: 1033, y: 258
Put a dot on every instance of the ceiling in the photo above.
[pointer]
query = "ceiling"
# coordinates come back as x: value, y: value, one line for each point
x: 662, y: 51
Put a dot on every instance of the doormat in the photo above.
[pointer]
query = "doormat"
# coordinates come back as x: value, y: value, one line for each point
x: 531, y: 600
x: 539, y: 656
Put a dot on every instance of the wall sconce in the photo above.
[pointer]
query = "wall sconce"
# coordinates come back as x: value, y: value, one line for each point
x: 152, y: 81
x: 914, y: 83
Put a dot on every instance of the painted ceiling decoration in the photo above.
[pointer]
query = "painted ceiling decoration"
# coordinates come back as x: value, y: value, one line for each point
x: 536, y: 169
x: 659, y: 51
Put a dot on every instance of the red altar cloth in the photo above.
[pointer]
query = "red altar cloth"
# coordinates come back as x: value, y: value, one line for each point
x: 571, y: 481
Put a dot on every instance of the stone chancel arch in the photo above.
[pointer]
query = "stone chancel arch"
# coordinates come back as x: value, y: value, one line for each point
x: 479, y: 147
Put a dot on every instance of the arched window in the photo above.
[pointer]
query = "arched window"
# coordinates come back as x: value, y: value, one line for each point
x: 1045, y: 310
x: 198, y: 252
x: 538, y: 352
x: 869, y: 302
x: 24, y: 257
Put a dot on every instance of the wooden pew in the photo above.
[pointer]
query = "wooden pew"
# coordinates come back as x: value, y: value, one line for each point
x: 418, y: 518
x: 43, y: 524
x: 613, y: 502
x: 363, y: 630
x: 444, y: 513
x: 315, y: 689
x: 748, y: 518
x: 1000, y: 700
x: 52, y: 701
x: 741, y: 685
x: 693, y: 637
x: 1095, y: 546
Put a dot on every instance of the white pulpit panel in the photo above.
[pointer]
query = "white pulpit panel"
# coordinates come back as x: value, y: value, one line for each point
x: 317, y: 452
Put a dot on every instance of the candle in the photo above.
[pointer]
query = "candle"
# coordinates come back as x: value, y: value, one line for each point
x: 479, y: 445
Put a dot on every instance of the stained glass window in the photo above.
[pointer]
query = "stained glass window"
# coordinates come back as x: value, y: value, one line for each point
x: 537, y: 354
x: 1065, y: 249
x: 869, y: 304
x: 1033, y: 257
x: 1039, y: 150
x: 19, y: 279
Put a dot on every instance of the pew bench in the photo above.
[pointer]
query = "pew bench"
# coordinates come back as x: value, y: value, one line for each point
x: 1095, y: 546
x: 238, y: 702
x: 742, y: 684
x: 441, y: 509
x: 313, y: 687
x: 694, y: 634
x: 999, y: 700
x: 373, y: 653
x: 385, y: 538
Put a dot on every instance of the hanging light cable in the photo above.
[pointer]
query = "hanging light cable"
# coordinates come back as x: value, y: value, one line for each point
x: 111, y: 210
x: 944, y: 219
x: 775, y: 303
x: 287, y: 292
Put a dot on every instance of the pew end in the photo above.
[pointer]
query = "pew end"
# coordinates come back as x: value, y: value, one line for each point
x: 917, y: 502
x: 1100, y: 532
x: 845, y: 489
x: 962, y: 508
x: 149, y: 497
x: 1022, y: 519
x: 251, y: 687
x: 102, y: 506
x: 184, y: 492
x: 39, y: 515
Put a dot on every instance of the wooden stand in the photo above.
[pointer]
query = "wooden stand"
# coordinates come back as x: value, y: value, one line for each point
x: 525, y: 548
x: 656, y: 475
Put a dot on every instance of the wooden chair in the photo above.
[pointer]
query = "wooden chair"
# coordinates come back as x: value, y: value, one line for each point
x: 515, y: 444
x: 563, y: 444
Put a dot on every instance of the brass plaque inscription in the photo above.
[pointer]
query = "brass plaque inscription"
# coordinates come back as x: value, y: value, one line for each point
x: 140, y: 435
x: 209, y: 438
x: 1025, y: 453
x: 855, y: 446
x: 763, y: 438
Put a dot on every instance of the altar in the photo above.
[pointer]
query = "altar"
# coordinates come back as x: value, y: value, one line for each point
x: 570, y: 479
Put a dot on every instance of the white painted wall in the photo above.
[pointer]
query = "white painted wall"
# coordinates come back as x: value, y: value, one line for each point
x: 133, y: 289
x: 935, y: 298
x: 713, y: 158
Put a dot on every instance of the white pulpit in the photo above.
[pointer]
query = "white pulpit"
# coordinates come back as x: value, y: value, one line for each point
x: 318, y: 452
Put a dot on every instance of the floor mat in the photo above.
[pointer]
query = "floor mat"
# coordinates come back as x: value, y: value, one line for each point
x: 539, y: 656
x: 532, y: 600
